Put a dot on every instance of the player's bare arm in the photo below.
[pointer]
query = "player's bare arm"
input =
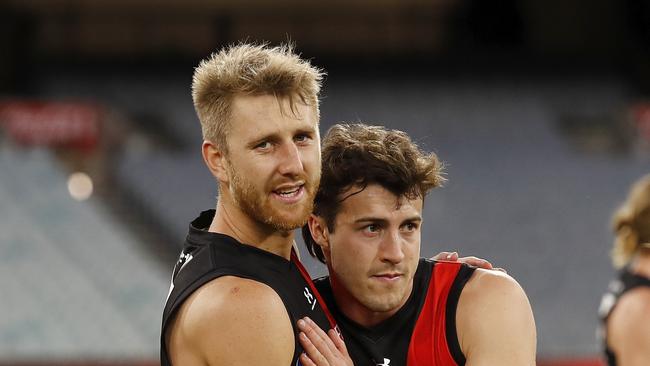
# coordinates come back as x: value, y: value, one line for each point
x: 494, y: 321
x: 628, y: 330
x: 213, y: 327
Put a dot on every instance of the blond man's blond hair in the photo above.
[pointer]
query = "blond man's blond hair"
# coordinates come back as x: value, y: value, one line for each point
x: 250, y: 69
x: 631, y: 223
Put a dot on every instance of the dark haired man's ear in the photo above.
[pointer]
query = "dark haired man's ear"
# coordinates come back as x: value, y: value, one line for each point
x: 216, y: 161
x: 320, y: 234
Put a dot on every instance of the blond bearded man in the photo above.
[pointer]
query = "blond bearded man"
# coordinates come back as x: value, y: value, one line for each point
x: 238, y: 289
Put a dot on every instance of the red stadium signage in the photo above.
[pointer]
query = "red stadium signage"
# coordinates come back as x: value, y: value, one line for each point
x: 59, y: 124
x: 641, y: 114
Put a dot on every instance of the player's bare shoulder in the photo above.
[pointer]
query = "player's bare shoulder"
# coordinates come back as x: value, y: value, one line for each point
x: 486, y: 284
x: 629, y: 319
x: 494, y: 320
x: 635, y: 302
x: 491, y: 295
x: 213, y: 326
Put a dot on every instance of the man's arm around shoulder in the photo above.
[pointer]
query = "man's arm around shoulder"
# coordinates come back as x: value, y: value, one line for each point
x: 231, y: 321
x: 494, y: 321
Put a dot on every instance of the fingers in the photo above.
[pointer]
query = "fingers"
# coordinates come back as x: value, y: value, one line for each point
x: 311, y: 352
x: 321, y: 348
x: 316, y: 343
x: 440, y: 256
x: 471, y: 260
x: 446, y: 256
x: 476, y: 262
x: 338, y: 342
x: 305, y: 360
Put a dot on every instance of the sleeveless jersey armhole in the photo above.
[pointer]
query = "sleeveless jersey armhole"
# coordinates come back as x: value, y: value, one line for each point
x: 462, y: 277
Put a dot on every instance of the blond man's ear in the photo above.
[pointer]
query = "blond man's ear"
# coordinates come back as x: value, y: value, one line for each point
x: 216, y: 161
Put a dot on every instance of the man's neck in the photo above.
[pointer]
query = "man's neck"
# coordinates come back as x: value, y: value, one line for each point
x: 641, y: 263
x: 230, y: 220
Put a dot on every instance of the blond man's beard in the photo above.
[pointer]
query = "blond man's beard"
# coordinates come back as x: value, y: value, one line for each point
x: 259, y: 206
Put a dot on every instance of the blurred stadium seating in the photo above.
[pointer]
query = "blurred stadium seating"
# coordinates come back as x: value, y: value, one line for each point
x: 74, y: 283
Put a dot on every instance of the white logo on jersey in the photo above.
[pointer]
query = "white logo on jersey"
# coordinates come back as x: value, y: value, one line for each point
x: 186, y: 259
x: 171, y: 288
x: 182, y: 260
x: 310, y: 298
x: 385, y: 363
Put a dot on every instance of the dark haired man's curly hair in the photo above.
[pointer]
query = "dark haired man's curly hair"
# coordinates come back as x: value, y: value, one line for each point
x: 359, y: 155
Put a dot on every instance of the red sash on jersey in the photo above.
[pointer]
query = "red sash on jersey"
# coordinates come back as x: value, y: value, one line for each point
x: 429, y: 345
x: 305, y: 275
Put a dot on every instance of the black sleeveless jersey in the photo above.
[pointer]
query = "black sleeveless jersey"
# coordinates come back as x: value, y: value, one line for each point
x: 207, y: 256
x: 626, y: 281
x: 422, y: 332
